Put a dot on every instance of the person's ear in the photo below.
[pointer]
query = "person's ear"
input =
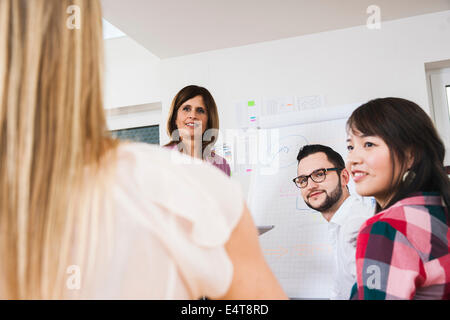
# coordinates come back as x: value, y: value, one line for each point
x: 409, y: 158
x: 345, y: 177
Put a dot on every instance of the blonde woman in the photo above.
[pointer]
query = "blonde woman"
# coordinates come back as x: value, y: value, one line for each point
x: 83, y: 216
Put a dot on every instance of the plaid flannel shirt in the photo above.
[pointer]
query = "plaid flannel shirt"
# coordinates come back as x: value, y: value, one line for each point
x: 403, y: 252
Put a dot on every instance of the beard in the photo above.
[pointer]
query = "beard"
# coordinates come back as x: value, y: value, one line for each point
x: 330, y: 200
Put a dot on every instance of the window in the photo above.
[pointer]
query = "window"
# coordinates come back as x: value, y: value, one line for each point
x: 439, y: 86
x: 448, y: 99
x: 149, y: 134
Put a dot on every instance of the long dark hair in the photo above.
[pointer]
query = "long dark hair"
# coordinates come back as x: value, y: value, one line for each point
x: 406, y: 129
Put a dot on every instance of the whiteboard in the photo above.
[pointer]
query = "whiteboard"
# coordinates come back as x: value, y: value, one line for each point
x: 297, y: 249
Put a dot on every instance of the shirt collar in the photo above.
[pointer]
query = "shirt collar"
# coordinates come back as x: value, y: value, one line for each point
x: 421, y: 199
x: 340, y: 215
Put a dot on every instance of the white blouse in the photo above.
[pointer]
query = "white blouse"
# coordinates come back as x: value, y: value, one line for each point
x: 171, y: 221
x: 342, y: 232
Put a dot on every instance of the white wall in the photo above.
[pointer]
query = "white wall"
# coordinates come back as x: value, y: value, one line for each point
x: 132, y: 74
x: 346, y: 66
x: 134, y: 116
x: 132, y: 78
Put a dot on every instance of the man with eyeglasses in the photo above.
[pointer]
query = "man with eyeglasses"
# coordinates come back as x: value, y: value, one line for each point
x: 322, y: 179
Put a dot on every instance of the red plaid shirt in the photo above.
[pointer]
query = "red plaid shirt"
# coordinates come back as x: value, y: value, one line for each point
x: 403, y: 252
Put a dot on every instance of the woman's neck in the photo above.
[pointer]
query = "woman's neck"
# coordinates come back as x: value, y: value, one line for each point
x: 193, y: 148
x: 384, y: 200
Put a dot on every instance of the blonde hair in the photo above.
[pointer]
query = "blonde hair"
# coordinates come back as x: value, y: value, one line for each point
x: 52, y: 137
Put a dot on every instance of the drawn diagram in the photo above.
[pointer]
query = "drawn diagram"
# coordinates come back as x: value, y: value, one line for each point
x: 289, y: 147
x: 297, y: 250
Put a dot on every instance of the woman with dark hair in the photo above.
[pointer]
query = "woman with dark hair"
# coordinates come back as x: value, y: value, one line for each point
x: 395, y: 155
x: 193, y: 125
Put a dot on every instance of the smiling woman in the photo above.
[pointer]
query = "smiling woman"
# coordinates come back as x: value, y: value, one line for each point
x: 396, y: 155
x: 374, y: 175
x: 193, y: 126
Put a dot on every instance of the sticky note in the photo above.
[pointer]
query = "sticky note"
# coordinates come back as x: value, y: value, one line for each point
x: 251, y: 103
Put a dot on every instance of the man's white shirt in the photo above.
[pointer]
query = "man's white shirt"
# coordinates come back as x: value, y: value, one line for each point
x: 342, y: 232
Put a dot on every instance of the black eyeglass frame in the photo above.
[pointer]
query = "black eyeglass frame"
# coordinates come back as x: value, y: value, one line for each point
x: 315, y: 171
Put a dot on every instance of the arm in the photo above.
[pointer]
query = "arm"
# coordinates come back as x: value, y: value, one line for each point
x: 387, y: 265
x: 252, y: 277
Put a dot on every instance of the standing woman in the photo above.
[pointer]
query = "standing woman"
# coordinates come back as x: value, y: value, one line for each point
x: 396, y: 156
x: 193, y: 125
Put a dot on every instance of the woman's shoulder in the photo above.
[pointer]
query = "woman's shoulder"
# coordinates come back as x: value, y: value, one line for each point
x: 135, y: 153
x: 419, y: 204
x: 186, y: 187
x: 164, y: 192
x: 217, y: 158
x: 423, y: 202
x: 159, y: 160
x: 172, y: 172
x: 219, y: 162
x: 416, y: 217
x: 393, y: 217
x: 170, y: 145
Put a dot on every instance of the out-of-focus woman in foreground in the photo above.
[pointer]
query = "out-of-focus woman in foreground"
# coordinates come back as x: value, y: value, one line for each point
x: 84, y: 216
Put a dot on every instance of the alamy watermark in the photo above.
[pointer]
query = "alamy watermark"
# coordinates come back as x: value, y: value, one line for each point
x: 258, y: 148
x: 374, y: 278
x: 73, y: 281
x: 374, y: 20
x: 74, y: 19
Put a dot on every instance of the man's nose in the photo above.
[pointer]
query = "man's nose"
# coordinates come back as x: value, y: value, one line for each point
x: 312, y: 184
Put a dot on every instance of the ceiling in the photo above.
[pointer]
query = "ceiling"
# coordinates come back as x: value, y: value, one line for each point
x: 171, y: 28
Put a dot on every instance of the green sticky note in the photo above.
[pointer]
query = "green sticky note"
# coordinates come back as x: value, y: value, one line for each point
x: 251, y: 103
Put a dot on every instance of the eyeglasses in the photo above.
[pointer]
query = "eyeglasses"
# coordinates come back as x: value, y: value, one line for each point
x: 317, y: 176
